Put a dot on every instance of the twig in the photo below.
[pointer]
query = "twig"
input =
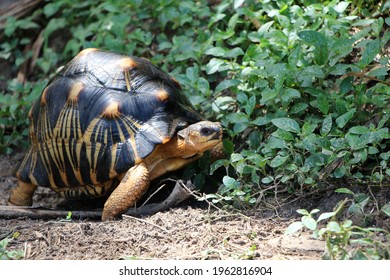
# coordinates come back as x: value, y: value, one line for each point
x: 374, y: 198
x: 153, y: 194
x: 361, y: 75
x: 145, y: 221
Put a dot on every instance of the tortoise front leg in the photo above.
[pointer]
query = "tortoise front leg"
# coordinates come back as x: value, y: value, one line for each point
x: 133, y: 185
x: 22, y: 194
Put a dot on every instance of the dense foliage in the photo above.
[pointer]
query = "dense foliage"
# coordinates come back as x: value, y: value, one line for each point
x: 301, y: 87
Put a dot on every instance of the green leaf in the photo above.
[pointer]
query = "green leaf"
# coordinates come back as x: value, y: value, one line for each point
x: 293, y: 228
x: 345, y: 118
x: 347, y: 223
x: 264, y: 28
x: 326, y: 125
x: 261, y: 121
x: 315, y: 160
x: 278, y: 161
x: 283, y: 134
x: 229, y: 184
x: 326, y: 215
x: 250, y: 105
x: 369, y: 53
x: 237, y: 117
x: 222, y: 103
x: 386, y: 209
x: 303, y: 212
x: 225, y: 84
x: 234, y: 53
x: 51, y: 8
x: 344, y: 190
x: 319, y: 41
x: 377, y: 26
x: 203, y: 85
x: 323, y: 103
x: 298, y: 108
x: 379, y: 72
x: 53, y: 25
x: 340, y: 49
x: 309, y: 222
x: 267, y: 180
x: 236, y: 157
x: 340, y: 171
x: 358, y: 130
x: 268, y: 96
x: 216, y: 51
x: 308, y: 74
x: 214, y: 65
x: 340, y: 7
x: 308, y: 128
x: 289, y: 94
x: 333, y: 226
x: 286, y: 124
x: 354, y: 141
x: 217, y: 164
x: 238, y: 3
x: 314, y: 211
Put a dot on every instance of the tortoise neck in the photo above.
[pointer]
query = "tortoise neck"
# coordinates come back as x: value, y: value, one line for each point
x: 174, y: 148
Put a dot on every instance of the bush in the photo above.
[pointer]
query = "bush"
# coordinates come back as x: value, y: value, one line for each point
x: 301, y: 87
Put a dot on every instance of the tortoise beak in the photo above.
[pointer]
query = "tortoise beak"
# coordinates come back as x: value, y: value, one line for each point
x: 217, y: 131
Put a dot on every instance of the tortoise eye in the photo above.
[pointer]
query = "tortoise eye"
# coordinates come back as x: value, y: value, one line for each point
x: 205, y: 131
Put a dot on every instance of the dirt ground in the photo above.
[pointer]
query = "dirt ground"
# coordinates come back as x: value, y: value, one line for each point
x: 192, y: 230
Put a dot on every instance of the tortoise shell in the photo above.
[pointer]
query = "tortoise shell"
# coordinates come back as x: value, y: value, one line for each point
x: 100, y: 115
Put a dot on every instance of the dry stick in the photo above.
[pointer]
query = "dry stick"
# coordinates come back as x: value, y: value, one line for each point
x: 15, y: 212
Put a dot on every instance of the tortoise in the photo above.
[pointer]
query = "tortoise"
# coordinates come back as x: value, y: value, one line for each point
x: 106, y: 125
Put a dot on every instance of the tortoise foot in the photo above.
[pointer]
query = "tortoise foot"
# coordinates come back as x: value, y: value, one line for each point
x: 129, y: 191
x: 22, y: 194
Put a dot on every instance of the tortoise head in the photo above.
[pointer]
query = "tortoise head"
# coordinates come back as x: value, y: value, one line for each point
x: 199, y: 137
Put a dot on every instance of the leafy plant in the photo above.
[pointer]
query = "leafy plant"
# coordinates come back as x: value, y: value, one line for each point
x: 287, y: 79
x: 343, y: 239
x: 13, y: 115
x: 6, y: 254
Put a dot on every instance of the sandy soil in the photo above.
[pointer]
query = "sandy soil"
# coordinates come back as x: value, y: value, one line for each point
x: 192, y: 230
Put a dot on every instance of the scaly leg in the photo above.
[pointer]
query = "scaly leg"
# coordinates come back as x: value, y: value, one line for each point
x: 217, y: 152
x: 22, y: 194
x: 129, y: 191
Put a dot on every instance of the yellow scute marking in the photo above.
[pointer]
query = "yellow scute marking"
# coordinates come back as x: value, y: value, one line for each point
x: 127, y: 62
x: 43, y: 97
x: 30, y: 113
x: 87, y: 51
x: 162, y: 95
x: 112, y: 110
x: 75, y: 91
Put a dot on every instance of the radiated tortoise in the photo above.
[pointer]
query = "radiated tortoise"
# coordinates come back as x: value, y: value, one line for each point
x: 106, y: 125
